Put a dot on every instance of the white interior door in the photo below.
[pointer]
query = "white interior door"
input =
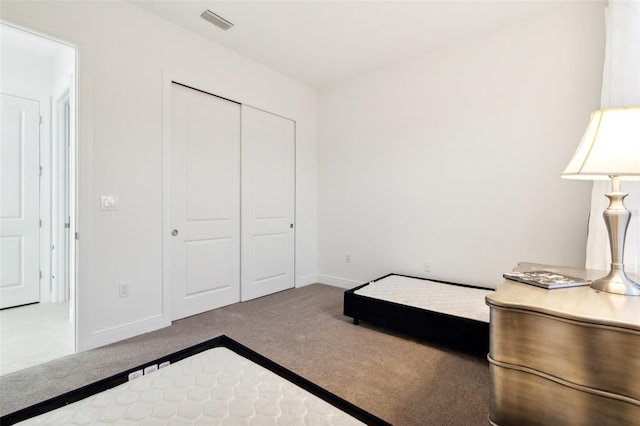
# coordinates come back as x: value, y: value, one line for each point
x: 19, y: 201
x: 204, y: 179
x: 268, y: 203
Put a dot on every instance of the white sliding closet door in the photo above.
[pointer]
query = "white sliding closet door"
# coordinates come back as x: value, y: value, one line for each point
x: 268, y: 203
x: 204, y: 180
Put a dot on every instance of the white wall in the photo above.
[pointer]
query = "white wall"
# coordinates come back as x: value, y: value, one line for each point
x: 455, y: 157
x: 123, y: 54
x: 452, y: 158
x: 25, y: 73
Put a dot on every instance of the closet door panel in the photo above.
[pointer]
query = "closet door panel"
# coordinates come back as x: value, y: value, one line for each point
x: 268, y: 203
x: 204, y: 179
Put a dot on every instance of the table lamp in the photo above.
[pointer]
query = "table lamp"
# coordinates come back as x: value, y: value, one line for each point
x: 610, y: 149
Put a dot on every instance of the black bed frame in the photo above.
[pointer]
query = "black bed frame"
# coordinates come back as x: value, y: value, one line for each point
x: 458, y: 333
x: 220, y: 341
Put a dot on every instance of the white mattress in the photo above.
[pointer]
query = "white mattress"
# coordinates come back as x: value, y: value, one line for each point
x: 449, y: 299
x: 215, y: 387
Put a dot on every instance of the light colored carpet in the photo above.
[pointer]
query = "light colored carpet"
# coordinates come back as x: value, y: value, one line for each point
x: 404, y: 381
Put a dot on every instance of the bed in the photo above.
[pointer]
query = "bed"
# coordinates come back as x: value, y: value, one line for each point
x: 447, y: 313
x: 216, y: 382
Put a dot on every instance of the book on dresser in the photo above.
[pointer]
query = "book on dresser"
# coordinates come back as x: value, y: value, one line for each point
x: 546, y: 279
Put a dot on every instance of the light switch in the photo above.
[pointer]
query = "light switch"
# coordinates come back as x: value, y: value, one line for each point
x: 109, y: 202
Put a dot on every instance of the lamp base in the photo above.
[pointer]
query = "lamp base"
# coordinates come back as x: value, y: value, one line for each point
x: 617, y: 218
x: 616, y: 281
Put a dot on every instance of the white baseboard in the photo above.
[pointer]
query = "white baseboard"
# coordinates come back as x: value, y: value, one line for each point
x: 115, y: 334
x: 338, y: 282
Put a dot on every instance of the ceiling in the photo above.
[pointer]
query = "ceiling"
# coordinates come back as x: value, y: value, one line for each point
x: 323, y: 42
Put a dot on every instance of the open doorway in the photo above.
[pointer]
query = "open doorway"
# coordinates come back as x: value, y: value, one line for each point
x: 37, y: 312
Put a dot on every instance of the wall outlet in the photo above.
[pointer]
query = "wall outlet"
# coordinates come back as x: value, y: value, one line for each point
x: 427, y: 266
x: 347, y: 258
x: 124, y: 289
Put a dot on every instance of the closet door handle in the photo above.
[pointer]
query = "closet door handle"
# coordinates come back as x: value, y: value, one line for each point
x: 174, y: 232
x: 291, y: 226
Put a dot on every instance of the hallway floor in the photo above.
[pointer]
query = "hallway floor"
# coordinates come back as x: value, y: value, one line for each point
x: 33, y: 334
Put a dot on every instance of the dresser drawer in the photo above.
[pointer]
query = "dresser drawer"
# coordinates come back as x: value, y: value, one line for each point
x: 521, y: 398
x: 586, y: 354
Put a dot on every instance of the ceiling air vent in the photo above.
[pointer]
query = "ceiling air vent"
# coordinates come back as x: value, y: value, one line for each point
x: 216, y: 20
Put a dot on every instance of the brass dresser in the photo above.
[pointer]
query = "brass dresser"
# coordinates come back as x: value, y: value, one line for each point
x: 564, y: 356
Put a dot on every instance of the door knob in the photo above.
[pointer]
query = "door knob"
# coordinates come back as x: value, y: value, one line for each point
x: 291, y: 226
x: 174, y: 232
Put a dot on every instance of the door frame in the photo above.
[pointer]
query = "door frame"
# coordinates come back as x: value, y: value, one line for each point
x: 60, y: 172
x: 74, y: 171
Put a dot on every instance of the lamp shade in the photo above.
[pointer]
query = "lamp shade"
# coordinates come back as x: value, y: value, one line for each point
x: 609, y: 147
